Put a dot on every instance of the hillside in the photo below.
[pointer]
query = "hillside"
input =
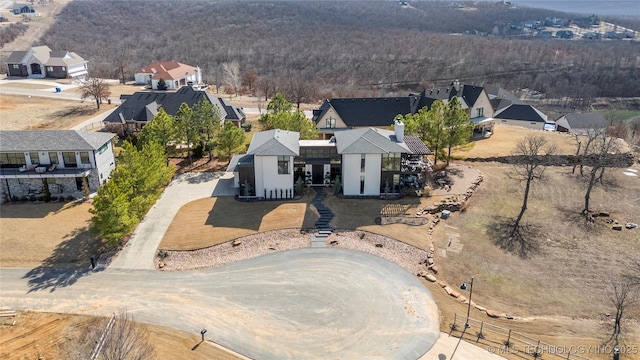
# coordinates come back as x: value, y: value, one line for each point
x: 350, y: 48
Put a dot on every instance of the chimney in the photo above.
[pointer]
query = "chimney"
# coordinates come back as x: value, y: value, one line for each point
x: 398, y: 128
x: 456, y: 85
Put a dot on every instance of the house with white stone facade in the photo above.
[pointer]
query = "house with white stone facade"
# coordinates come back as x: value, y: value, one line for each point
x: 62, y: 157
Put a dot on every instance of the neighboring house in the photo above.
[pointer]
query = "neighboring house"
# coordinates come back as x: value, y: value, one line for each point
x: 174, y: 74
x: 523, y: 115
x: 23, y: 9
x: 141, y: 107
x: 369, y: 162
x: 511, y: 110
x: 474, y: 99
x: 63, y: 157
x: 352, y: 113
x: 41, y: 62
x: 579, y: 123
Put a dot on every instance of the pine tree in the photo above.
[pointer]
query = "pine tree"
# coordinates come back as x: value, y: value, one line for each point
x: 230, y: 140
x: 188, y: 129
x: 207, y: 118
x: 162, y: 130
x: 162, y: 85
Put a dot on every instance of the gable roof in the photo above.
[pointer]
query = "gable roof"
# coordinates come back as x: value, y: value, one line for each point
x: 501, y: 98
x: 52, y: 140
x: 468, y: 95
x: 275, y: 142
x: 143, y: 106
x: 416, y: 145
x: 233, y: 113
x: 46, y: 56
x: 357, y: 112
x: 582, y: 120
x: 523, y: 112
x: 369, y: 141
x: 168, y: 70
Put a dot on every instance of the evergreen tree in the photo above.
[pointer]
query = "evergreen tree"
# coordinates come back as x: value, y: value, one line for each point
x: 112, y: 218
x: 281, y: 117
x: 230, y: 140
x: 162, y: 130
x: 457, y: 125
x: 162, y: 85
x: 188, y: 129
x: 429, y: 126
x: 207, y: 117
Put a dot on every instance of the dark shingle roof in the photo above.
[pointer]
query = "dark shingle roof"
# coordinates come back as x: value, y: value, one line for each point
x: 16, y: 57
x: 501, y: 98
x: 135, y: 106
x: 468, y: 95
x: 358, y: 112
x: 52, y: 140
x: 521, y: 112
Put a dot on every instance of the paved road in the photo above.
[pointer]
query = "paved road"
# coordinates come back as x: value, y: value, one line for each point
x: 141, y: 248
x: 299, y: 304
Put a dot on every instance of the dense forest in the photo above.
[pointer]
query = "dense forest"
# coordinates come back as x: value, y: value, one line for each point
x: 345, y: 48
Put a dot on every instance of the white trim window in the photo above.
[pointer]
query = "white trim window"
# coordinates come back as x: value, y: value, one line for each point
x: 283, y: 165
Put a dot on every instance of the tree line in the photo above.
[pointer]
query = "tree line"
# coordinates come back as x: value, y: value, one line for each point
x: 317, y: 50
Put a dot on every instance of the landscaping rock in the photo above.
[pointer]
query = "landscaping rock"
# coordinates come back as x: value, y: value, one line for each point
x: 430, y: 277
x: 481, y: 308
x: 448, y: 290
x: 160, y: 265
x: 616, y: 227
x: 236, y: 243
x: 631, y: 225
x: 463, y: 299
x: 492, y: 314
x: 435, y: 269
x: 441, y: 283
x: 379, y: 245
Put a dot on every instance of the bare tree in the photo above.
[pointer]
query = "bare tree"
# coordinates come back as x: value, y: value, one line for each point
x: 299, y: 90
x: 634, y: 127
x: 602, y: 148
x: 232, y: 75
x: 531, y: 149
x: 121, y: 61
x: 622, y: 295
x: 95, y: 88
x: 119, y: 338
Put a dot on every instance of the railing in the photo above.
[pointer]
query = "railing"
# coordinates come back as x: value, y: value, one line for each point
x: 514, y: 345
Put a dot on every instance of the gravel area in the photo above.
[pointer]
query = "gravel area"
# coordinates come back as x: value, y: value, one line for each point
x: 409, y: 257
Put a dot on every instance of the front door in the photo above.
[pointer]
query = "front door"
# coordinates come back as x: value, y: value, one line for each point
x: 318, y: 174
x: 35, y: 69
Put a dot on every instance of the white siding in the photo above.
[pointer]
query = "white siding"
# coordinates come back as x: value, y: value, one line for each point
x: 104, y: 162
x: 484, y: 103
x: 267, y: 177
x: 351, y: 174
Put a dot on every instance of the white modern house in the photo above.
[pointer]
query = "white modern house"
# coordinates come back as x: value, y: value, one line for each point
x: 62, y: 157
x: 369, y: 161
x: 174, y: 74
x: 41, y: 62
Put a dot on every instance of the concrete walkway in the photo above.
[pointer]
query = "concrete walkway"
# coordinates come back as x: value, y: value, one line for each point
x: 141, y: 248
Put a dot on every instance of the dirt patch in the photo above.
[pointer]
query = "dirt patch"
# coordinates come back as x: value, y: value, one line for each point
x: 38, y: 335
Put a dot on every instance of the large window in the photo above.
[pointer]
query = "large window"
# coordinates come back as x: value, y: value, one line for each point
x: 391, y: 162
x: 84, y: 157
x: 12, y: 160
x: 35, y: 159
x: 69, y: 159
x: 330, y: 123
x: 53, y: 157
x: 283, y: 164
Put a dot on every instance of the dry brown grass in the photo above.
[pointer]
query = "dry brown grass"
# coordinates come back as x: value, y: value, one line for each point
x: 569, y: 273
x: 38, y: 113
x: 211, y: 221
x: 46, y: 234
x: 39, y: 335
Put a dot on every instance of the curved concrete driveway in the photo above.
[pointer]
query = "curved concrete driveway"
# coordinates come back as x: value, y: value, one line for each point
x: 141, y: 248
x: 300, y: 304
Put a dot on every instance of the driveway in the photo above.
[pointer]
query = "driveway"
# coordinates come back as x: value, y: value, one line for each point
x: 141, y: 247
x: 299, y: 304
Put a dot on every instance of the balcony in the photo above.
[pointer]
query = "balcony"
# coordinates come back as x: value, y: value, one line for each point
x: 44, y: 171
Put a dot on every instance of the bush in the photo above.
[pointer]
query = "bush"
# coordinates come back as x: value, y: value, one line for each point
x: 70, y: 198
x: 246, y: 126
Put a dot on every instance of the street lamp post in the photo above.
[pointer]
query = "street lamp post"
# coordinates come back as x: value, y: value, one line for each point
x: 464, y: 287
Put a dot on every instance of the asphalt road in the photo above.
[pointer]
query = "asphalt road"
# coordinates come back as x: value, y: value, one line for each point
x: 300, y: 304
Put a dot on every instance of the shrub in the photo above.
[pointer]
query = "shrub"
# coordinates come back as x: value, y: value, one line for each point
x: 246, y: 126
x: 70, y: 198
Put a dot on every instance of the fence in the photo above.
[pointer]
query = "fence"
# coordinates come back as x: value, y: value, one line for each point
x: 514, y: 345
